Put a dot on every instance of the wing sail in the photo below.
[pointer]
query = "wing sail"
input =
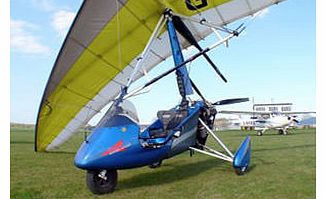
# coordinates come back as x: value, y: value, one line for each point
x: 101, y: 51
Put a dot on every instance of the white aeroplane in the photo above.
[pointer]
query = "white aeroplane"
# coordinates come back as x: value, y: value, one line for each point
x: 262, y: 121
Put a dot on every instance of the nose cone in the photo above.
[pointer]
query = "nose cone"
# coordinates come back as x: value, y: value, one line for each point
x: 83, y: 158
x: 102, y: 147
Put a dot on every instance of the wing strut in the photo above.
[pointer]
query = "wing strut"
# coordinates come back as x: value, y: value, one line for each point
x: 144, y: 54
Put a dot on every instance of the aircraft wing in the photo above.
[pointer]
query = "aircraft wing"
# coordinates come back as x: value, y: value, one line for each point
x: 102, y: 48
x: 299, y: 112
x: 244, y: 112
x: 265, y: 113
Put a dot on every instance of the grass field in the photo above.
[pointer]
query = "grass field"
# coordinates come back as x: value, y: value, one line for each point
x: 281, y: 167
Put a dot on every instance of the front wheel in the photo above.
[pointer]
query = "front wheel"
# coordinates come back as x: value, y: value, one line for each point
x: 102, y: 182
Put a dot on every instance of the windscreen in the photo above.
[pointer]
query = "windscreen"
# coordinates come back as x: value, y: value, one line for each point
x: 125, y: 108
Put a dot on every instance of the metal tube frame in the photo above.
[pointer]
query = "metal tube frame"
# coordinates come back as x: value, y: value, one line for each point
x: 211, y: 154
x: 144, y: 53
x: 220, y: 36
x: 216, y: 138
x: 217, y: 152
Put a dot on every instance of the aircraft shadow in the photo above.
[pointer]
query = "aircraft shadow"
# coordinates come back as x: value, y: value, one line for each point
x: 174, y: 173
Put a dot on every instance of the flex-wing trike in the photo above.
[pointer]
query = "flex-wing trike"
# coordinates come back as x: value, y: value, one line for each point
x: 118, y: 142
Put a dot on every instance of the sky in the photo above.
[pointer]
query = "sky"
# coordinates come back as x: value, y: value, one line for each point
x: 274, y: 60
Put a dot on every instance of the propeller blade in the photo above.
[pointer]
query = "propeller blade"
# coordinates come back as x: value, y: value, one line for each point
x: 185, y: 32
x: 197, y: 90
x: 231, y: 101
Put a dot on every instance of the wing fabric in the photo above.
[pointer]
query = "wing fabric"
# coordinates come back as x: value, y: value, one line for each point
x: 101, y: 50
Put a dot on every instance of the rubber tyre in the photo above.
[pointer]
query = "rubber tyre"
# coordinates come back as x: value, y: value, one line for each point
x: 99, y: 186
x: 280, y: 132
x: 259, y: 133
x: 241, y: 171
x: 155, y: 165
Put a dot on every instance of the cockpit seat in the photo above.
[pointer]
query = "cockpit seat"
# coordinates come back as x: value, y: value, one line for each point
x: 166, y: 118
x: 169, y: 119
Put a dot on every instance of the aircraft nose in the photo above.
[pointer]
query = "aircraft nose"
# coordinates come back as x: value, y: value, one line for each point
x: 105, y: 146
x: 82, y: 158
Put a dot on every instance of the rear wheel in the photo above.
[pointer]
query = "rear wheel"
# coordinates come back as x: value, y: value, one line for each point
x: 102, y: 182
x: 240, y: 171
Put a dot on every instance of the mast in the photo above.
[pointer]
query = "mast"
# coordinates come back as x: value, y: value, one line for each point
x: 183, y: 80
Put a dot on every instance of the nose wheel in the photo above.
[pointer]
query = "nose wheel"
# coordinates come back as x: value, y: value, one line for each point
x: 102, y: 182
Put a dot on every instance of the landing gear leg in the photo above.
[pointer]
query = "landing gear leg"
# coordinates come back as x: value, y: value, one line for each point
x: 102, y: 182
x: 240, y: 160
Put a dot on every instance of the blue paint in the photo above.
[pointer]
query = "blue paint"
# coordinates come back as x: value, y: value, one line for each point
x: 242, y: 156
x: 90, y: 155
x: 178, y: 58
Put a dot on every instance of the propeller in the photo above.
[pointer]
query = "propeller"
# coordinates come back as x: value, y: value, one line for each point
x: 221, y: 102
x: 293, y: 119
x: 186, y: 33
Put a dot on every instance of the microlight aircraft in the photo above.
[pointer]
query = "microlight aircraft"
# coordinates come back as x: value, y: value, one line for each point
x: 110, y: 45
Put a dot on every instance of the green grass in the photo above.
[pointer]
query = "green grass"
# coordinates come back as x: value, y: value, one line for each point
x: 281, y: 167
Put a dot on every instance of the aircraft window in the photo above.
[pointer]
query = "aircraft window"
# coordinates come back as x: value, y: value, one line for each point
x: 261, y: 121
x: 118, y: 120
x: 286, y: 108
x: 260, y: 109
x: 273, y: 108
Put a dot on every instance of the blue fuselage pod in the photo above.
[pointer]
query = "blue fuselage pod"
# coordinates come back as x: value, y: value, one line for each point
x: 117, y: 147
